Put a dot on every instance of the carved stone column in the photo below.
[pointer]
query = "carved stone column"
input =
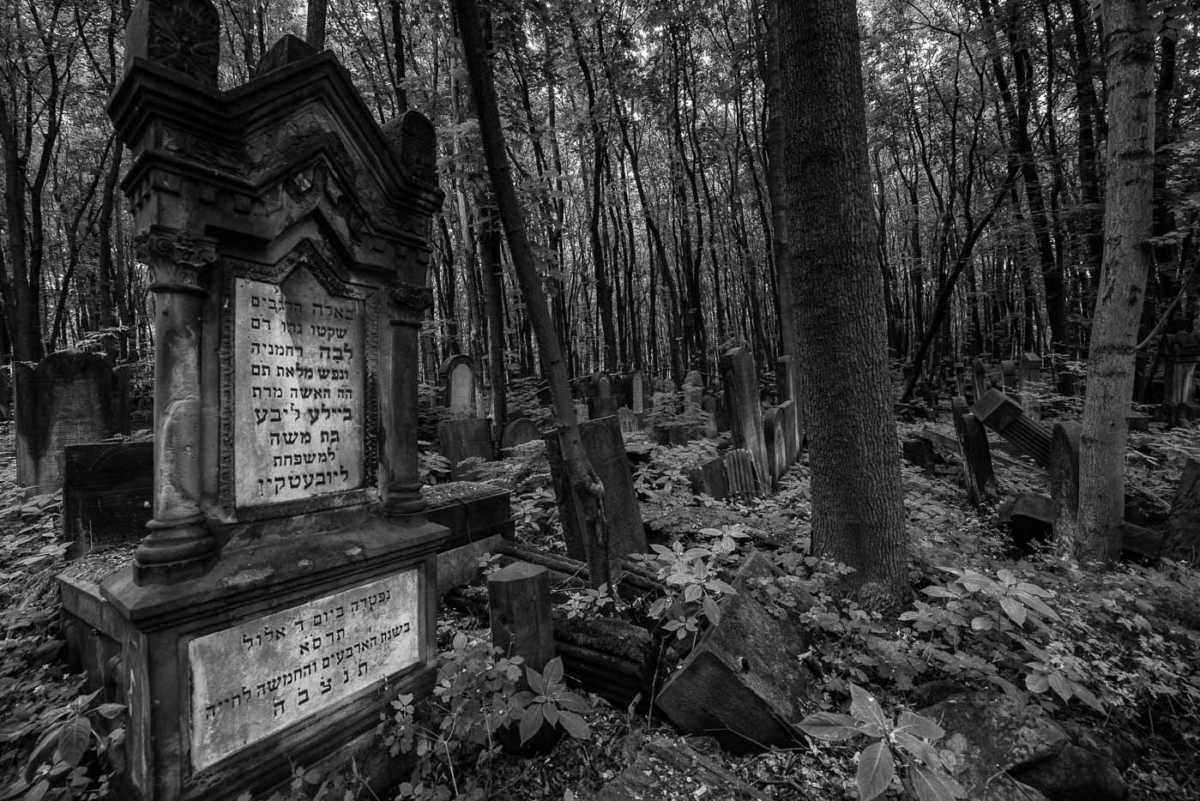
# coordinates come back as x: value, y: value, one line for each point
x: 179, y: 545
x: 402, y: 486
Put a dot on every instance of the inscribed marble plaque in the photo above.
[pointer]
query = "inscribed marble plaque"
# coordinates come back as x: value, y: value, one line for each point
x: 261, y: 676
x: 298, y: 391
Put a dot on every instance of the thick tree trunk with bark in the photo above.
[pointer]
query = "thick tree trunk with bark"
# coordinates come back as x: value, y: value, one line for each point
x: 589, y: 491
x: 1128, y: 216
x: 858, y: 509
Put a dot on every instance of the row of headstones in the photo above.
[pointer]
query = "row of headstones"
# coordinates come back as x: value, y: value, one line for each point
x: 1057, y: 449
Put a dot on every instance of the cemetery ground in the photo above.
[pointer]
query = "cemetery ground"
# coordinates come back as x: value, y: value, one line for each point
x: 1112, y: 657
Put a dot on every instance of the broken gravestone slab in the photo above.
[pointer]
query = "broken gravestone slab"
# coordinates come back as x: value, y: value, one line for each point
x: 742, y: 683
x: 990, y: 734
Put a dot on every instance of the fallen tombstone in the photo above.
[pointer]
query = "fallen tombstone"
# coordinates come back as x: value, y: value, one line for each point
x: 1030, y: 517
x: 742, y: 683
x: 1004, y: 416
x: 741, y: 394
x: 921, y: 451
x: 993, y: 734
x: 741, y: 474
x: 608, y: 656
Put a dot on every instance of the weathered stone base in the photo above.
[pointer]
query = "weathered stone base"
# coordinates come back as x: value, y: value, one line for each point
x: 148, y: 632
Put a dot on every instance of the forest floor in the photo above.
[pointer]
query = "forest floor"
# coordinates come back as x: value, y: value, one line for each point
x: 1117, y: 656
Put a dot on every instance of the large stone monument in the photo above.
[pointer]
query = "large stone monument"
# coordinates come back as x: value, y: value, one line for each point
x: 285, y: 589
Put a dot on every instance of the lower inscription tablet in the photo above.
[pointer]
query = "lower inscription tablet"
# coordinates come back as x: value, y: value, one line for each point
x: 263, y: 675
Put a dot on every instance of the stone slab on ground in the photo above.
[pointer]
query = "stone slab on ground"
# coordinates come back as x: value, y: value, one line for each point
x: 993, y: 734
x: 743, y: 683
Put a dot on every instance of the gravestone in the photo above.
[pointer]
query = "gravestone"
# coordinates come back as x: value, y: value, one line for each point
x: 107, y: 488
x: 745, y: 414
x: 1181, y: 352
x: 604, y: 403
x: 1001, y: 414
x: 791, y: 441
x: 979, y: 378
x: 977, y: 455
x: 708, y: 405
x: 1008, y: 375
x: 773, y: 440
x: 285, y: 590
x: 67, y: 398
x: 709, y: 479
x: 1183, y: 536
x: 465, y: 438
x: 581, y: 411
x: 519, y: 432
x: 637, y: 393
x: 1030, y: 369
x: 742, y: 683
x: 458, y: 375
x: 605, y: 449
x: 628, y: 421
x: 741, y: 474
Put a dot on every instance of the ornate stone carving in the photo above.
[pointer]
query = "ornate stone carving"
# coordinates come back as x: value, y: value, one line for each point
x: 182, y: 35
x: 175, y: 260
x: 409, y: 302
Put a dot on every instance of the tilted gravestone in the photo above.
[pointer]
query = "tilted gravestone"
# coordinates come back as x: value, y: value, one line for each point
x: 285, y: 590
x: 465, y: 438
x: 458, y: 375
x: 605, y: 450
x: 1001, y: 414
x: 519, y: 432
x: 977, y: 455
x: 745, y: 414
x: 604, y: 402
x: 67, y: 398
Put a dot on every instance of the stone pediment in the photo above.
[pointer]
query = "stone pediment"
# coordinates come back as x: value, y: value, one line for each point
x: 296, y: 141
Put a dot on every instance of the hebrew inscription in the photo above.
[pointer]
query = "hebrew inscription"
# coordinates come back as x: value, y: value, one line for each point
x: 259, y: 677
x: 298, y: 378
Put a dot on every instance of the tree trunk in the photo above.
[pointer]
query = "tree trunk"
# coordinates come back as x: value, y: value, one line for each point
x: 1128, y: 216
x: 858, y: 508
x: 589, y: 491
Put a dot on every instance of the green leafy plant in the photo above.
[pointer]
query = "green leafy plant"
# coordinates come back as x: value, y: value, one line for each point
x: 908, y: 741
x: 692, y: 576
x: 589, y: 602
x: 75, y: 757
x: 549, y: 701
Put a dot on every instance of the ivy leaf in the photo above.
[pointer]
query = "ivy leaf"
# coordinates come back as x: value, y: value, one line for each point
x: 934, y: 785
x: 919, y: 726
x: 865, y: 708
x: 875, y: 770
x: 692, y: 593
x: 830, y: 726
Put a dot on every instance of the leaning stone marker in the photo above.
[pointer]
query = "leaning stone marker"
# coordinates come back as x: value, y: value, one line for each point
x: 977, y: 455
x: 605, y: 449
x: 741, y: 391
x: 1001, y: 414
x: 67, y: 398
x: 285, y: 589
